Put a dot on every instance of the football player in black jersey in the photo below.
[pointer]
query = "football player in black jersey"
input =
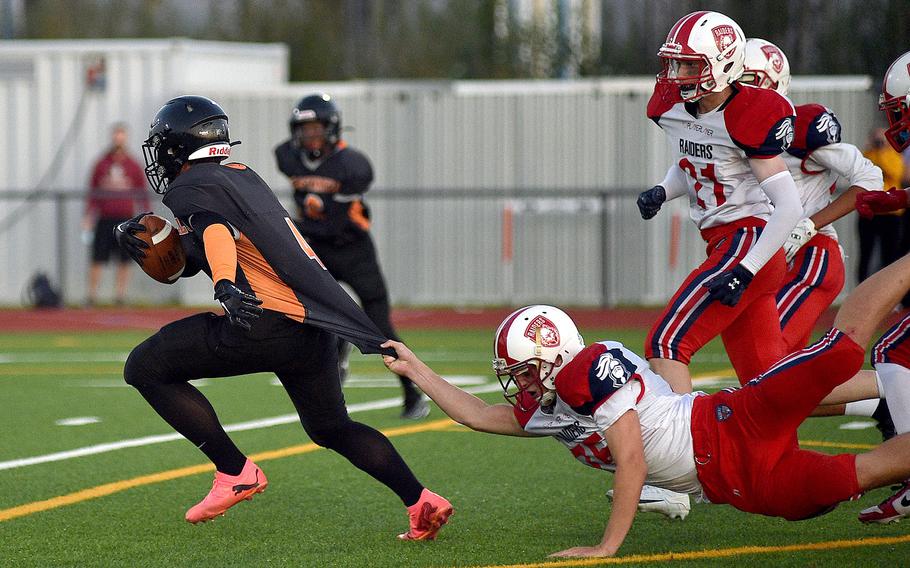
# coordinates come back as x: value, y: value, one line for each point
x: 329, y: 180
x: 283, y: 313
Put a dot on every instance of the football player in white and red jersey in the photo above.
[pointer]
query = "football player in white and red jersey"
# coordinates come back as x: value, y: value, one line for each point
x: 728, y: 138
x: 737, y: 446
x: 816, y: 159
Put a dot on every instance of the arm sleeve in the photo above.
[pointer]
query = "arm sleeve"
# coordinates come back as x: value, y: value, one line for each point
x: 848, y: 162
x: 221, y: 252
x: 788, y: 210
x: 675, y: 183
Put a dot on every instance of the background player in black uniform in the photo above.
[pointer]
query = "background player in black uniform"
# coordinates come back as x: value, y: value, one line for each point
x: 283, y: 311
x: 329, y: 180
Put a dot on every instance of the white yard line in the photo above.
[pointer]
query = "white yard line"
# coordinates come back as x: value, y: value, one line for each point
x: 238, y: 427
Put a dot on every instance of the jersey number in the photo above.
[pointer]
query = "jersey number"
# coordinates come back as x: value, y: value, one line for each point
x: 593, y: 451
x: 708, y: 174
x: 303, y: 244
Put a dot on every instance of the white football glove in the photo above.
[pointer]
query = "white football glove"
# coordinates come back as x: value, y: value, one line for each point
x: 799, y: 236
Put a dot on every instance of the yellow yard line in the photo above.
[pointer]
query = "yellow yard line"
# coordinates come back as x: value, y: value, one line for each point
x: 712, y: 554
x: 118, y: 486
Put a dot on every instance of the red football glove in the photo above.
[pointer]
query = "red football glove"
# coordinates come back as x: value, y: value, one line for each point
x: 871, y: 203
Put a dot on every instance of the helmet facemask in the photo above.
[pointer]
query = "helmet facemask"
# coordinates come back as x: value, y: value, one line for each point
x: 519, y: 380
x: 692, y: 86
x: 897, y: 109
x: 161, y: 164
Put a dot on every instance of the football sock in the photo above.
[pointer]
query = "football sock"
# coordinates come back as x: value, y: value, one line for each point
x: 190, y: 413
x: 861, y: 407
x: 895, y: 380
x: 370, y: 451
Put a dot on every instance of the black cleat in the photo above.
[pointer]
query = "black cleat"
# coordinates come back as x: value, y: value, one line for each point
x: 883, y: 421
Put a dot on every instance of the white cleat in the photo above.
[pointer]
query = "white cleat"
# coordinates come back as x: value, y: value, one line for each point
x: 656, y: 500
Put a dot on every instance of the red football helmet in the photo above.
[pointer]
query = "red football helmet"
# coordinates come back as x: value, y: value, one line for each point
x: 895, y: 102
x: 710, y: 40
x: 766, y: 66
x: 540, y: 336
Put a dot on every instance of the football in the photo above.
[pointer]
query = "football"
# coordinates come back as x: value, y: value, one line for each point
x: 165, y: 258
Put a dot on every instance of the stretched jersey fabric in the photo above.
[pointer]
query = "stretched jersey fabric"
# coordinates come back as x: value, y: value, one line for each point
x: 330, y: 201
x: 275, y: 261
x: 818, y: 157
x: 713, y: 149
x: 598, y: 386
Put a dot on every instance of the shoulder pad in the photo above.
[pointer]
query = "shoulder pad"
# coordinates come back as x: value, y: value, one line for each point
x: 816, y: 126
x: 760, y: 121
x: 662, y: 99
x: 594, y: 376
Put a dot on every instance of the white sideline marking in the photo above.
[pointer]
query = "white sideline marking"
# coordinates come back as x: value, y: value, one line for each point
x: 386, y: 380
x: 857, y: 425
x: 238, y: 427
x: 77, y: 421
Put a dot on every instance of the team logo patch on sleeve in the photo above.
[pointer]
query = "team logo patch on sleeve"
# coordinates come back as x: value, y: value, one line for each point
x: 549, y: 335
x: 609, y: 368
x: 722, y: 412
x: 828, y: 126
x: 784, y: 133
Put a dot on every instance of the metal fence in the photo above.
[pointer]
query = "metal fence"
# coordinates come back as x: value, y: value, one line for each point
x: 450, y: 247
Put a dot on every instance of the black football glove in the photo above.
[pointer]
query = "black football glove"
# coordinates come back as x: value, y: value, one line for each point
x: 239, y: 307
x: 649, y: 202
x: 728, y: 286
x: 125, y: 234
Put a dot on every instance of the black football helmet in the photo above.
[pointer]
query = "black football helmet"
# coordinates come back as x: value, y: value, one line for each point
x: 186, y: 128
x: 316, y: 108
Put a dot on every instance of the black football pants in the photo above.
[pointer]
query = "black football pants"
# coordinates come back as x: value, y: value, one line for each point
x: 301, y: 356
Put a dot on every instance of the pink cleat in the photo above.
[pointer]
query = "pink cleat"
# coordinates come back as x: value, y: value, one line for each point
x: 227, y: 491
x: 427, y: 516
x: 892, y: 509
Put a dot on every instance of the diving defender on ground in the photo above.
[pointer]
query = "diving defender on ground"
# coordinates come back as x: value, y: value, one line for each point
x: 737, y: 446
x: 283, y: 313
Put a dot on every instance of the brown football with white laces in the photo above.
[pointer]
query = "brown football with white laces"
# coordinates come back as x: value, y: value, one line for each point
x: 165, y: 258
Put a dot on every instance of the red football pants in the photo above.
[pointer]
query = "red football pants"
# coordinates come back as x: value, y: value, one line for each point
x: 750, y: 330
x: 746, y: 452
x: 813, y: 283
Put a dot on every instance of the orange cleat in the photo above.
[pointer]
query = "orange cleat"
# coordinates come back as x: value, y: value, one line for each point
x: 227, y: 491
x: 427, y: 516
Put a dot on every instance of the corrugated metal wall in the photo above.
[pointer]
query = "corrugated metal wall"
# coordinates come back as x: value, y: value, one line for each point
x: 453, y: 160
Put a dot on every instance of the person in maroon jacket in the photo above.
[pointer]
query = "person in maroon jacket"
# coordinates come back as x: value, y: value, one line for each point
x: 117, y: 191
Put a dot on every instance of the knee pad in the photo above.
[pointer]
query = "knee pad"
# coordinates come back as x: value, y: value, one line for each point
x: 142, y: 368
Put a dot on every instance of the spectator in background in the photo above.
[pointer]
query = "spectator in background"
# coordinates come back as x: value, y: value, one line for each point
x: 887, y: 230
x: 117, y: 192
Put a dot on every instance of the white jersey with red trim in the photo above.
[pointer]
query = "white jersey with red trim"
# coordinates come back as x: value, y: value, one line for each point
x: 603, y: 382
x: 714, y: 149
x: 818, y: 157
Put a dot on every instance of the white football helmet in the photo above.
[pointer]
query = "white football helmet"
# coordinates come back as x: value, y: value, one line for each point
x: 540, y: 336
x: 711, y: 39
x: 895, y: 102
x: 766, y: 66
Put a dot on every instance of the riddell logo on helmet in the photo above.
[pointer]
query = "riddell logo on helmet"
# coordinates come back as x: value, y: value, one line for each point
x: 774, y: 56
x: 549, y: 335
x: 724, y: 37
x: 220, y: 151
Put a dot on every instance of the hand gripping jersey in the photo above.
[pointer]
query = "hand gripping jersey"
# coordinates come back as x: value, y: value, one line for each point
x: 599, y: 385
x: 268, y: 244
x: 817, y: 158
x: 713, y: 149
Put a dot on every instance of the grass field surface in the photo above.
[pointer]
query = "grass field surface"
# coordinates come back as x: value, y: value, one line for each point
x: 120, y: 499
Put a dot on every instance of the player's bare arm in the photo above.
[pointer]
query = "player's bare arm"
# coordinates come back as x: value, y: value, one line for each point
x: 872, y: 300
x: 627, y: 449
x: 460, y: 406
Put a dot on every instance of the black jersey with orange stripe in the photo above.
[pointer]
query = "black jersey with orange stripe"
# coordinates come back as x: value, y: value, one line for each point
x: 329, y: 193
x: 274, y: 261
